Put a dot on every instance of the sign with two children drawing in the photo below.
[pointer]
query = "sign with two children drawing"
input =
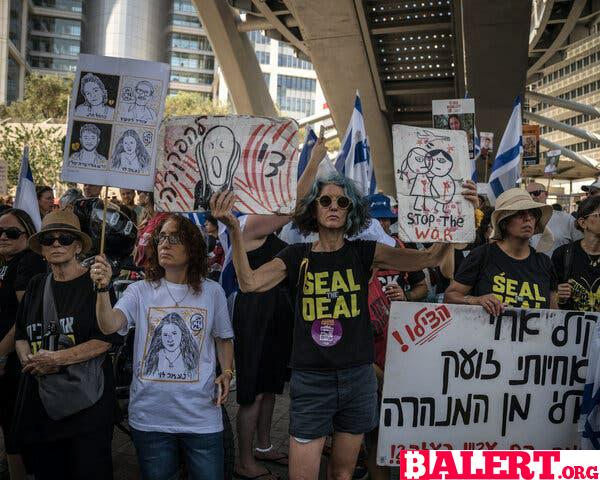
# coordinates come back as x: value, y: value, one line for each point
x: 430, y: 167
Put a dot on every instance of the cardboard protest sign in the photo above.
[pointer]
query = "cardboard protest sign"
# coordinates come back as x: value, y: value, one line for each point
x: 257, y: 157
x: 116, y: 108
x: 431, y: 166
x: 531, y: 144
x: 552, y: 159
x: 513, y: 382
x: 458, y: 114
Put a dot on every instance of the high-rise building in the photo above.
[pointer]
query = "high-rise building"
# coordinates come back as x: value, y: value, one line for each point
x: 46, y: 36
x: 575, y: 77
x: 190, y: 53
x: 292, y: 82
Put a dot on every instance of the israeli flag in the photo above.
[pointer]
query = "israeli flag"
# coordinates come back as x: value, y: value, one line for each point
x: 354, y: 158
x: 228, y: 280
x: 26, y: 198
x: 589, y: 419
x: 309, y: 143
x: 506, y: 170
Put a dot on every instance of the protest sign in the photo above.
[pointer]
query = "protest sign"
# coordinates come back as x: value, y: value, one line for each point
x: 257, y: 157
x: 431, y: 166
x: 552, y: 159
x: 531, y: 145
x: 513, y: 382
x: 116, y: 108
x: 458, y: 114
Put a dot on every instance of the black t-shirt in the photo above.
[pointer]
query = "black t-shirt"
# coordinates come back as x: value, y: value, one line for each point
x: 14, y: 277
x: 582, y: 274
x: 76, y: 310
x: 332, y: 328
x: 523, y: 283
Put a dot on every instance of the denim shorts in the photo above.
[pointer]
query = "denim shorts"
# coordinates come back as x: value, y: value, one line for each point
x: 333, y: 401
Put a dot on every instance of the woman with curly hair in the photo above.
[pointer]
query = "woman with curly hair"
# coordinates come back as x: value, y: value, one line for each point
x: 181, y: 327
x: 333, y: 387
x: 130, y: 154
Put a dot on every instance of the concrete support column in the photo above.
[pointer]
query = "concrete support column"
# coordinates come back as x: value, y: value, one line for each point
x: 332, y: 33
x: 496, y: 36
x: 237, y: 59
x: 4, y: 26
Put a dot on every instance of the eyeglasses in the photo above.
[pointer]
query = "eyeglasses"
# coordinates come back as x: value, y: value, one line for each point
x: 12, y: 233
x: 64, y: 239
x: 595, y: 214
x: 522, y: 214
x: 537, y: 193
x: 342, y: 201
x: 171, y: 239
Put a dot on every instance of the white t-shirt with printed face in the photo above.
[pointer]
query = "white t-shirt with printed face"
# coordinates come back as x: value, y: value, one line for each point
x: 174, y: 355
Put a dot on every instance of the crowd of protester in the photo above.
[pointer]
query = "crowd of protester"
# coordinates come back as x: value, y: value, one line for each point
x: 313, y: 314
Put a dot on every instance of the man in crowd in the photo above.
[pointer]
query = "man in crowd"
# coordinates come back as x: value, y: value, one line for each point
x: 128, y: 199
x: 91, y: 191
x: 592, y: 189
x: 561, y: 224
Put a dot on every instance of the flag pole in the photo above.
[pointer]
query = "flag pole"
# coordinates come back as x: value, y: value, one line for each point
x: 104, y: 221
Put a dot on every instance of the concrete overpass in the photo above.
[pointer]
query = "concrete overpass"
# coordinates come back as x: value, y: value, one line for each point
x: 400, y: 55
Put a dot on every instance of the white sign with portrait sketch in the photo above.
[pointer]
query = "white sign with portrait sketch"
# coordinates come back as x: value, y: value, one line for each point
x: 431, y: 165
x: 117, y: 105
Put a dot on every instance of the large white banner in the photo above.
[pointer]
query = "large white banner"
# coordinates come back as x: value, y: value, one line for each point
x: 458, y: 378
x: 431, y: 166
x: 257, y: 157
x: 116, y: 108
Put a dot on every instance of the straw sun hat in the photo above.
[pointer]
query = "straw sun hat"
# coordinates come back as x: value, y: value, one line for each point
x: 60, y: 221
x: 515, y: 200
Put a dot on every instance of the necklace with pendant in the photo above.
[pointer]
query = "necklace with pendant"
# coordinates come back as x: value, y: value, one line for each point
x: 177, y: 302
x: 172, y: 362
x: 594, y: 262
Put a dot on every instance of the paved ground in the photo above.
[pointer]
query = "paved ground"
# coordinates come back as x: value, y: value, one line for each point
x: 125, y: 461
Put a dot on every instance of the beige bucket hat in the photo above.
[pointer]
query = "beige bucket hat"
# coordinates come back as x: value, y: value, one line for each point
x: 515, y: 200
x: 63, y: 221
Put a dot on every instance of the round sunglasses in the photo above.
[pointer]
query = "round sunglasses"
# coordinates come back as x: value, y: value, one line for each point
x: 342, y: 201
x: 12, y: 233
x: 64, y: 239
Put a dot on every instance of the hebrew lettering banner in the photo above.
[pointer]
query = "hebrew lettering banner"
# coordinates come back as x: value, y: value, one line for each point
x: 257, y: 157
x: 512, y: 382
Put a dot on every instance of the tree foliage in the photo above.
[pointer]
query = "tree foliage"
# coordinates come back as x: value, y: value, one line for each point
x: 45, y: 151
x: 190, y: 103
x: 45, y: 96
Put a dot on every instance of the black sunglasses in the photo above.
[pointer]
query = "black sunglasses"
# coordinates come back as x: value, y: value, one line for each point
x: 342, y: 201
x: 12, y: 233
x: 537, y: 193
x: 64, y: 239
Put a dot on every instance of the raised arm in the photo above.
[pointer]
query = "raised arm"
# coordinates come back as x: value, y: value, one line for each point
x: 266, y: 276
x: 409, y: 260
x: 110, y: 320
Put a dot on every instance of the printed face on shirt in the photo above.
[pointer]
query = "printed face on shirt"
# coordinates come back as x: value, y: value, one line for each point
x: 173, y: 344
x: 514, y: 292
x: 332, y: 217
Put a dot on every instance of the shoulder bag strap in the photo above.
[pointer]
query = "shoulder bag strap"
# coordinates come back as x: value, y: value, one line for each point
x: 49, y: 313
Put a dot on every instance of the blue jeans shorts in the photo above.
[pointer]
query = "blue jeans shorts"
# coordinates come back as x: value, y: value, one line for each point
x: 323, y: 402
x: 158, y: 454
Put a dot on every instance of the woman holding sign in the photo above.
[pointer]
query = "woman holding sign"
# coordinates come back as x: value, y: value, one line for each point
x: 333, y: 387
x: 509, y: 272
